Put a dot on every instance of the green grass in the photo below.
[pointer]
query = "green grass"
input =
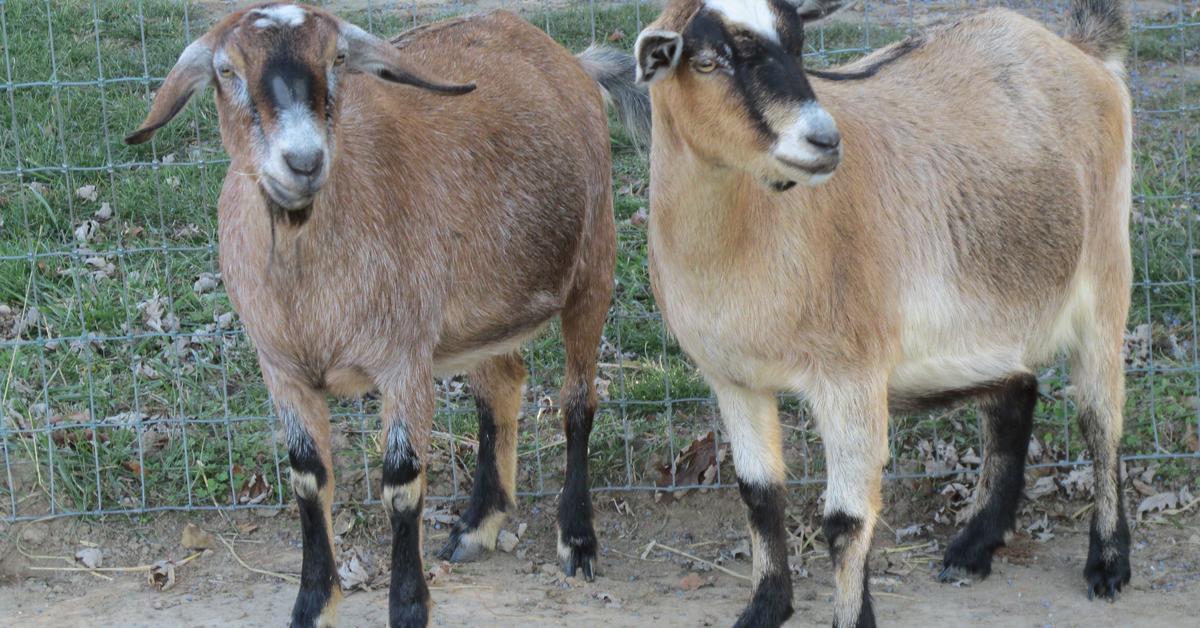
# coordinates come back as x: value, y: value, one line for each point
x: 162, y: 237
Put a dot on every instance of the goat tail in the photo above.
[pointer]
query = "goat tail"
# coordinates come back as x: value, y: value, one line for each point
x: 1100, y: 28
x: 616, y: 72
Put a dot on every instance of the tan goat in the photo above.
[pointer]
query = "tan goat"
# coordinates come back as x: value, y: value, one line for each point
x: 378, y: 228
x: 971, y: 222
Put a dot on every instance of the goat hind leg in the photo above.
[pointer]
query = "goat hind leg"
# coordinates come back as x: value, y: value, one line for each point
x: 1007, y: 422
x: 1100, y: 387
x: 582, y: 325
x: 497, y: 386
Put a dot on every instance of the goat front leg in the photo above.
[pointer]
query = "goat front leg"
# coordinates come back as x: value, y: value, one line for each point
x: 305, y: 417
x: 852, y: 418
x: 407, y: 421
x: 751, y: 420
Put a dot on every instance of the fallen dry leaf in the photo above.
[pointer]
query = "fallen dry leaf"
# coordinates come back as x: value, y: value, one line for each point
x: 616, y: 35
x: 741, y: 550
x: 90, y: 557
x: 1161, y: 501
x: 1044, y: 486
x: 439, y: 570
x: 87, y: 193
x: 207, y: 282
x: 507, y: 541
x: 254, y: 490
x: 608, y: 599
x: 691, y: 582
x: 132, y: 466
x: 86, y: 231
x: 161, y: 575
x: 104, y: 213
x: 354, y: 574
x: 196, y: 538
x: 696, y: 464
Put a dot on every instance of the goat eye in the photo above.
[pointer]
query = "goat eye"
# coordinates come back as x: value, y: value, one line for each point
x: 339, y: 59
x: 226, y: 72
x: 704, y: 66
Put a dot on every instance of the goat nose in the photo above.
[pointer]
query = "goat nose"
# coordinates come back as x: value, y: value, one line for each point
x: 305, y: 164
x: 825, y: 139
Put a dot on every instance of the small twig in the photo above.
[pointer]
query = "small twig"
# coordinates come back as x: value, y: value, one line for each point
x: 654, y: 544
x: 454, y: 437
x: 1182, y: 509
x: 459, y: 587
x: 135, y: 568
x: 895, y: 595
x: 904, y: 548
x: 556, y: 443
x: 627, y: 364
x: 282, y: 576
x: 87, y: 569
x: 632, y: 557
x: 1079, y: 513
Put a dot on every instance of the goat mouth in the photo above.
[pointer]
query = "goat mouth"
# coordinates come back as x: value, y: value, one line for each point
x: 284, y: 199
x: 813, y: 169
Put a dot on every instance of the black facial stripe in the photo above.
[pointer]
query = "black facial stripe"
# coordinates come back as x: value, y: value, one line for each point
x: 764, y: 72
x: 287, y: 82
x: 790, y: 28
x: 707, y: 32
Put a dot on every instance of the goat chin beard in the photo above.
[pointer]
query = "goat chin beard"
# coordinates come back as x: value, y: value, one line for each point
x: 293, y: 215
x: 780, y: 185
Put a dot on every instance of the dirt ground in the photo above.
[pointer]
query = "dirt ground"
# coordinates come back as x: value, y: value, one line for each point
x: 1034, y: 583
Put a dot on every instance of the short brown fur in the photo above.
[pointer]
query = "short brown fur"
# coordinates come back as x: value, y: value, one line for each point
x: 451, y: 228
x: 976, y: 227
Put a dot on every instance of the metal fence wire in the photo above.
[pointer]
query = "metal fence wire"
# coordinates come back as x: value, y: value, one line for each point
x: 128, y: 385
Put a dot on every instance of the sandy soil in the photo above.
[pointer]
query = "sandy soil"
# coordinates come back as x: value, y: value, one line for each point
x: 1033, y: 583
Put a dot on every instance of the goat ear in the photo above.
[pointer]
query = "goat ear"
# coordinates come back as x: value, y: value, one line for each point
x: 812, y: 10
x: 369, y: 54
x: 657, y: 53
x: 191, y: 74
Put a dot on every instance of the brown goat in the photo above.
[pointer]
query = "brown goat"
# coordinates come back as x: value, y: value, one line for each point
x: 378, y: 228
x: 965, y: 219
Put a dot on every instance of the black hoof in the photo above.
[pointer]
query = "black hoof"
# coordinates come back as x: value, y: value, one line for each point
x: 578, y: 552
x: 1106, y: 577
x: 759, y: 615
x: 967, y: 557
x: 310, y: 603
x: 461, y: 547
x: 411, y: 615
x: 1107, y: 568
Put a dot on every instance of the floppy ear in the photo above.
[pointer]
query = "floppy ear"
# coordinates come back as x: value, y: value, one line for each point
x: 657, y: 53
x: 191, y: 74
x: 811, y: 10
x: 369, y: 54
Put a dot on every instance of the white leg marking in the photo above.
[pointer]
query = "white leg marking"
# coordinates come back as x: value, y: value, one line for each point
x: 304, y: 485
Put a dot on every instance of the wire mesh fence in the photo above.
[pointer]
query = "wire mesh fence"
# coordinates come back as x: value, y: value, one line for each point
x: 129, y: 385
